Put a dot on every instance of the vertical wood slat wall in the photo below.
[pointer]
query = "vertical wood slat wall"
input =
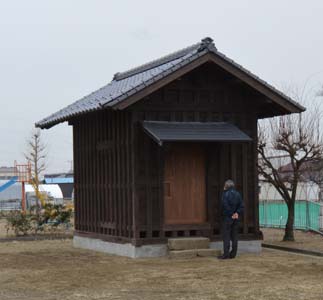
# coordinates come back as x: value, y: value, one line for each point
x: 119, y: 169
x: 103, y: 174
x: 103, y: 181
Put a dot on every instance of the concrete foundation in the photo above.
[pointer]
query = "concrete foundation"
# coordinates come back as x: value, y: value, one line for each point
x: 159, y: 250
x: 120, y: 249
x: 188, y: 243
x: 253, y: 246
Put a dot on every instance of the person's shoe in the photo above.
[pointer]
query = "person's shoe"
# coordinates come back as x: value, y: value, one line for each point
x: 231, y: 256
x: 223, y: 257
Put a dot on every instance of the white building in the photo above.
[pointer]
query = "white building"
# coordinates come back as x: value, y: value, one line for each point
x: 10, y: 198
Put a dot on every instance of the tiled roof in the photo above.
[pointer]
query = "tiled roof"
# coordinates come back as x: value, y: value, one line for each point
x: 130, y: 82
x: 162, y: 131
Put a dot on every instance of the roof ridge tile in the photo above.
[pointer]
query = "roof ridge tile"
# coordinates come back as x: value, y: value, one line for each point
x: 158, y: 62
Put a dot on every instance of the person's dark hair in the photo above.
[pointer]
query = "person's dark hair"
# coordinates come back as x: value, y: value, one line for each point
x: 229, y: 184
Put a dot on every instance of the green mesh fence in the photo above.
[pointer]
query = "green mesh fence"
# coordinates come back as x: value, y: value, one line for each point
x: 274, y: 214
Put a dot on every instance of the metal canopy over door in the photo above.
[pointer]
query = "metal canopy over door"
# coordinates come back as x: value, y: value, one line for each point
x: 184, y: 185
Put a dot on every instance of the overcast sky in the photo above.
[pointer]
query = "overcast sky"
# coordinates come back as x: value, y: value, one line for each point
x: 53, y: 52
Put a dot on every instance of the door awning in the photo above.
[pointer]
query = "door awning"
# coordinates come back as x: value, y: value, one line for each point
x: 162, y: 131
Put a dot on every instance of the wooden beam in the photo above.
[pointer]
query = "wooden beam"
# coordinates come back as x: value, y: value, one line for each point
x: 135, y: 209
x: 233, y: 153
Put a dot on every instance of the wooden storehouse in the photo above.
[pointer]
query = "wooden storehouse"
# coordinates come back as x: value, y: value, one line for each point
x: 153, y: 148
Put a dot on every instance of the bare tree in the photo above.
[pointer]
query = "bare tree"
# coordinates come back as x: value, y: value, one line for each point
x: 297, y: 138
x: 36, y: 155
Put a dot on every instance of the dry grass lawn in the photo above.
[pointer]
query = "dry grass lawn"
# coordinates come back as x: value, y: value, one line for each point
x: 55, y: 270
x: 303, y: 240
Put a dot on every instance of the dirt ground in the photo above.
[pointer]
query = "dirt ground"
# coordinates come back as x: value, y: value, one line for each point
x: 303, y: 240
x: 55, y: 270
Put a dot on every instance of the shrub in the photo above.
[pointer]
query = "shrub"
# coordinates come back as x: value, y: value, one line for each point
x: 57, y: 214
x: 19, y: 222
x: 47, y: 218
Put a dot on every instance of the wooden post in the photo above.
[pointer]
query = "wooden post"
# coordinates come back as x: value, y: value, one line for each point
x: 245, y: 186
x: 233, y: 162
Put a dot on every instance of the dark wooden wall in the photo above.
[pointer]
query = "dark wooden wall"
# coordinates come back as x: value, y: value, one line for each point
x: 119, y: 169
x: 103, y: 165
x: 205, y: 95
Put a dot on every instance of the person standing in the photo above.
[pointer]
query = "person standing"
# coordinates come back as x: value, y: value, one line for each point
x: 232, y: 208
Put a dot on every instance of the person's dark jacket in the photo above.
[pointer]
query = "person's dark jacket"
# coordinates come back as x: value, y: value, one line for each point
x: 231, y: 203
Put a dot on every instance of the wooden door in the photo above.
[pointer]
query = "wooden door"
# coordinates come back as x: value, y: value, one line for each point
x: 184, y: 185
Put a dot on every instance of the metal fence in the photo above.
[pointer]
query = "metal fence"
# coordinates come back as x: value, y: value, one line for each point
x: 10, y: 205
x: 31, y: 201
x: 308, y: 214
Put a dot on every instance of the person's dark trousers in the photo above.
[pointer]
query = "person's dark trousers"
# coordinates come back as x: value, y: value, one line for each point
x: 230, y: 233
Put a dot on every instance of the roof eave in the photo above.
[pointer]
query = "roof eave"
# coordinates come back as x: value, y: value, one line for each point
x: 210, y: 53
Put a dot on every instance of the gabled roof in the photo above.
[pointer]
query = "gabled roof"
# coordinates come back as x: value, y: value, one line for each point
x: 125, y: 86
